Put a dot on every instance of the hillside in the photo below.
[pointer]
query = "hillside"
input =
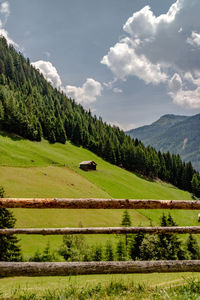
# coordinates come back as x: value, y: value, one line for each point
x: 176, y: 134
x: 41, y: 169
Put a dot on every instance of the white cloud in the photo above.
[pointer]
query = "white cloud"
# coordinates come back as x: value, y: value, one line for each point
x: 175, y: 83
x: 47, y: 53
x: 187, y: 98
x: 5, y: 10
x: 123, y: 126
x: 85, y: 94
x: 117, y: 90
x: 184, y: 95
x: 156, y: 46
x: 5, y: 34
x: 110, y: 84
x: 123, y: 61
x: 4, y: 14
x: 49, y: 72
x: 194, y: 39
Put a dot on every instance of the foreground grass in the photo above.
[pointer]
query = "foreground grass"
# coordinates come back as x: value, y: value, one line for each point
x: 125, y: 288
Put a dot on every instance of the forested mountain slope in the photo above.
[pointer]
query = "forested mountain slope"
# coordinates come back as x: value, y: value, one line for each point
x: 177, y: 134
x: 31, y: 108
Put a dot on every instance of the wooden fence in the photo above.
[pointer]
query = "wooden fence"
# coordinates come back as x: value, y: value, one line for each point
x: 8, y: 269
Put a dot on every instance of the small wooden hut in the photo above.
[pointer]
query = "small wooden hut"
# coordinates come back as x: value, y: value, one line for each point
x: 88, y: 165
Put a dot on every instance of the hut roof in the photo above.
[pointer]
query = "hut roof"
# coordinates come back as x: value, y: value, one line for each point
x: 87, y: 162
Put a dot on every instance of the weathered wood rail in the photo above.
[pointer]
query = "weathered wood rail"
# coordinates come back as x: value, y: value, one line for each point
x: 8, y: 269
x: 102, y: 230
x: 91, y: 203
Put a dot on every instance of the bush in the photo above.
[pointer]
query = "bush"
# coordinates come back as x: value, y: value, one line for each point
x: 46, y: 255
x: 74, y: 248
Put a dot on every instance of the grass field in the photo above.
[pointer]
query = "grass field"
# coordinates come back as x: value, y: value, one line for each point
x: 148, y: 286
x: 113, y: 181
x: 31, y: 169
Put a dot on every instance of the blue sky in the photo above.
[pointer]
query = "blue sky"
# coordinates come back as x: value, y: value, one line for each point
x: 129, y: 61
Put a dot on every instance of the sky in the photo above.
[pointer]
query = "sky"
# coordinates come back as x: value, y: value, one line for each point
x: 128, y: 61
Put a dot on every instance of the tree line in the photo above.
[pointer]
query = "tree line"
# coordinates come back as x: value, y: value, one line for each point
x: 33, y: 109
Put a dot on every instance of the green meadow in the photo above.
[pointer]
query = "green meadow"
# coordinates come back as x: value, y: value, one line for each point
x: 40, y: 169
x: 130, y: 286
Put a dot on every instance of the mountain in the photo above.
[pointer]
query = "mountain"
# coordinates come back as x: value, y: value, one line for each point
x: 147, y: 132
x: 173, y: 133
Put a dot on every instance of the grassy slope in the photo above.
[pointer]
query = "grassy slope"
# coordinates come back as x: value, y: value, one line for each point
x: 31, y: 169
x: 112, y: 180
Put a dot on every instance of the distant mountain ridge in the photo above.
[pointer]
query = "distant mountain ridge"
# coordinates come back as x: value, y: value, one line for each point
x: 174, y: 133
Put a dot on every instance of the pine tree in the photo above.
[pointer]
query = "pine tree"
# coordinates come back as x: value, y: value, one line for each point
x: 135, y: 245
x: 73, y: 248
x: 46, y: 255
x: 60, y: 132
x: 97, y: 253
x: 9, y: 248
x: 193, y: 247
x: 196, y: 185
x: 109, y: 255
x: 120, y: 250
x: 149, y: 248
x: 126, y: 222
x: 169, y: 245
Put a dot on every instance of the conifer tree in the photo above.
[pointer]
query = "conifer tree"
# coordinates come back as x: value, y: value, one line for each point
x: 109, y: 255
x: 9, y: 248
x: 169, y: 245
x: 120, y: 250
x: 193, y: 247
x: 149, y: 248
x: 73, y: 248
x: 196, y: 185
x: 126, y: 222
x: 135, y: 245
x: 97, y: 254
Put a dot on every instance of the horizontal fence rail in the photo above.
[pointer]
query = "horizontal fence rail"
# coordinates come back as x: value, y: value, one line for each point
x: 10, y: 269
x: 91, y: 203
x: 102, y: 230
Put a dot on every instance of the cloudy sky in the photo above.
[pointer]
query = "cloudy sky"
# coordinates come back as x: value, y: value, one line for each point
x: 129, y: 61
